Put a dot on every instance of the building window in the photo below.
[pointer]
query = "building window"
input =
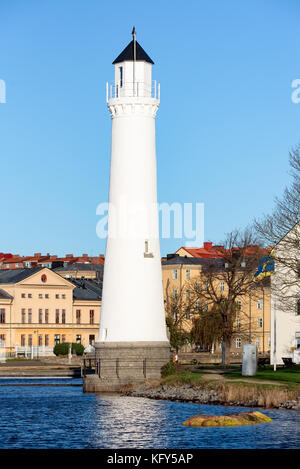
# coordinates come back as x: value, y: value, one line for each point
x: 269, y: 341
x: 297, y: 340
x: 22, y: 340
x: 30, y: 340
x: 198, y: 287
x: 91, y: 339
x: 46, y: 316
x: 92, y: 316
x: 259, y: 304
x: 57, y: 339
x: 22, y: 295
x: 63, y: 338
x: 40, y: 316
x: 78, y: 315
x: 238, y: 342
x: 121, y: 76
x: 188, y: 274
x: 29, y: 295
x: 257, y: 342
x: 63, y: 297
x: 259, y: 322
x: 298, y: 307
x: 78, y: 339
x: 188, y: 294
x: 46, y: 295
x: 238, y: 323
x: 174, y: 294
x: 56, y: 296
x: 222, y: 286
x: 174, y: 274
x: 63, y: 316
x: 188, y: 314
x: 29, y: 316
x: 57, y: 316
x: 2, y: 316
x: 23, y: 316
x: 40, y: 340
x: 46, y: 340
x: 239, y: 305
x: 40, y: 295
x: 2, y: 340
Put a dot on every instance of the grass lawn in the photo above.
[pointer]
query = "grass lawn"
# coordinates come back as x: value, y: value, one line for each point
x: 183, y: 377
x: 287, y: 375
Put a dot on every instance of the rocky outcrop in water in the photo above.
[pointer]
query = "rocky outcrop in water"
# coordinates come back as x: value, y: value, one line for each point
x: 190, y: 393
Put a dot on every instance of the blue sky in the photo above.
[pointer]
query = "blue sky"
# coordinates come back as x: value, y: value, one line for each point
x: 224, y: 128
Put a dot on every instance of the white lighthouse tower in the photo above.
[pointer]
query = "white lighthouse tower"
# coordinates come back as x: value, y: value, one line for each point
x: 132, y: 343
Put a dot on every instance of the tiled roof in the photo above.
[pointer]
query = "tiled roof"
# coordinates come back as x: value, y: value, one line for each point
x: 86, y: 289
x: 16, y: 275
x: 80, y: 266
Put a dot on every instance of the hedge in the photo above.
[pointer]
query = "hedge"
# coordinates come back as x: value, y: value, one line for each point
x: 63, y: 349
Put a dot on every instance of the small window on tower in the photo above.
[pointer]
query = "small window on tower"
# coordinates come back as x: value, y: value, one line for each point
x: 121, y: 76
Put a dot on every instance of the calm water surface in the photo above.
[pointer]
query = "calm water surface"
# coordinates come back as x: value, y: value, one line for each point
x: 64, y: 417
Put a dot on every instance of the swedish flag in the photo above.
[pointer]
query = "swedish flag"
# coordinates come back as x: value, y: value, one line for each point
x: 265, y: 267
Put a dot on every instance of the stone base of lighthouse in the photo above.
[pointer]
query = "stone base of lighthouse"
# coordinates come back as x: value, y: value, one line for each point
x: 122, y: 363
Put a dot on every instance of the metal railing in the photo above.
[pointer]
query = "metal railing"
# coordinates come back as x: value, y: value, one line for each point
x: 138, y: 89
x: 32, y: 351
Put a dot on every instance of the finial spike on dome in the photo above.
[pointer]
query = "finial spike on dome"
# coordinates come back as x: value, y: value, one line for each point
x: 133, y: 33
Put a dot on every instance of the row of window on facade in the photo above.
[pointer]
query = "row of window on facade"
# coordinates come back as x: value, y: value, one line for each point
x: 260, y: 303
x: 43, y: 340
x: 238, y: 342
x: 46, y: 295
x: 43, y: 316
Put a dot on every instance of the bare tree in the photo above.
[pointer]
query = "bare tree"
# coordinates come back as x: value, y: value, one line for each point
x: 223, y: 282
x: 272, y: 228
x: 281, y: 229
x: 178, y: 307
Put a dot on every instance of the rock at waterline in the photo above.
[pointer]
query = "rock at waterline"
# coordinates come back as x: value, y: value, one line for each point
x: 232, y: 420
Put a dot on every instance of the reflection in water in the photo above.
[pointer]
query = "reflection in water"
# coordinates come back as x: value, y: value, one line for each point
x: 64, y: 417
x: 137, y: 425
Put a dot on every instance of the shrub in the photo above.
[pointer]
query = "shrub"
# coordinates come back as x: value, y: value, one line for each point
x: 78, y: 349
x: 168, y: 369
x: 63, y: 349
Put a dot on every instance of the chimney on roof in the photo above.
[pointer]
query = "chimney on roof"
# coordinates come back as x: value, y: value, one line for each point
x: 207, y: 246
x: 37, y: 254
x: 85, y: 255
x: 69, y: 255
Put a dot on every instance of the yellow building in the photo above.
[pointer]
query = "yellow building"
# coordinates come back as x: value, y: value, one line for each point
x: 253, y: 321
x: 39, y: 308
